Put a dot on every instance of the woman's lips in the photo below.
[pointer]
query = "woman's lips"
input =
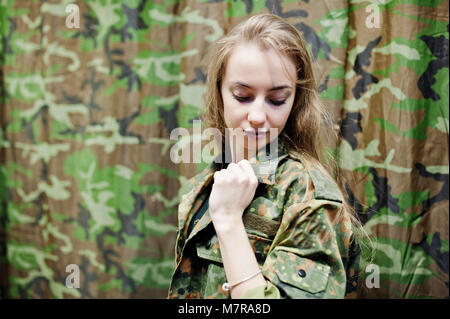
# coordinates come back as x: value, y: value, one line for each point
x: 256, y: 134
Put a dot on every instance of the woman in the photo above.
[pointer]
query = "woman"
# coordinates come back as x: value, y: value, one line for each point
x: 268, y: 224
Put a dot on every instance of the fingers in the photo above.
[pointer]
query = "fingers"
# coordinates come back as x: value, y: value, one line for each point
x: 217, y: 175
x: 236, y: 173
x: 248, y: 169
x: 231, y: 174
x: 241, y: 173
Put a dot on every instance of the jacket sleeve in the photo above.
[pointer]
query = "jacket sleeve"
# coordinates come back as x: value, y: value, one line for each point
x: 304, y: 259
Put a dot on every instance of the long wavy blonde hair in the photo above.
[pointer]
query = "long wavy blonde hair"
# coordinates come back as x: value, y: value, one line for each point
x: 308, y: 123
x: 270, y: 31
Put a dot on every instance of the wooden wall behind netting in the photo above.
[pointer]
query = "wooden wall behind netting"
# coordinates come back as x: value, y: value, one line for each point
x: 86, y: 176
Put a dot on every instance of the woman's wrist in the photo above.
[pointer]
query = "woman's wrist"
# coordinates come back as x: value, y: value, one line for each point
x: 226, y: 224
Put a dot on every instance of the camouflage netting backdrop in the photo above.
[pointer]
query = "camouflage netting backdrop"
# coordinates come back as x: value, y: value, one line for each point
x: 86, y: 176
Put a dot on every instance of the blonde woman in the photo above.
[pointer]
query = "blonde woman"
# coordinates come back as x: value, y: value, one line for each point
x: 248, y: 232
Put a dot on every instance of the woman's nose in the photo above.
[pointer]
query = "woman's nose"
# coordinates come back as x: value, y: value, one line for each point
x: 256, y: 114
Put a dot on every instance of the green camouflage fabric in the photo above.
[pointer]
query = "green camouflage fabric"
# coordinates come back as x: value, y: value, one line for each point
x: 86, y: 114
x: 289, y: 225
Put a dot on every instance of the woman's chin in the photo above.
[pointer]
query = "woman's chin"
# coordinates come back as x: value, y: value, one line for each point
x: 255, y: 144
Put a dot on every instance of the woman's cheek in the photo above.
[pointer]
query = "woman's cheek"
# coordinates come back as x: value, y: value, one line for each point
x: 233, y: 113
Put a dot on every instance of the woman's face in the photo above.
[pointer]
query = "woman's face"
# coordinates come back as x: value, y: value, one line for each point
x: 258, y: 95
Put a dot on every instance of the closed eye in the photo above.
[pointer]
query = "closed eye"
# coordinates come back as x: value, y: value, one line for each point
x: 246, y: 99
x: 242, y: 98
x: 277, y: 103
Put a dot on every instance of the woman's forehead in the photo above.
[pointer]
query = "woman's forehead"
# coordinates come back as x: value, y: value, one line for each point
x: 250, y: 64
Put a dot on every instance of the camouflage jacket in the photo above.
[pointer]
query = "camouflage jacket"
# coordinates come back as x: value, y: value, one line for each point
x: 300, y: 252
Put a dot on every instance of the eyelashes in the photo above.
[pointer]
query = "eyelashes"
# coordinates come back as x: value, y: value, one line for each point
x: 277, y: 103
x: 241, y: 99
x: 247, y: 99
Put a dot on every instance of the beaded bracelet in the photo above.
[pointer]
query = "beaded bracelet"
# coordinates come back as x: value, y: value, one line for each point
x: 226, y: 286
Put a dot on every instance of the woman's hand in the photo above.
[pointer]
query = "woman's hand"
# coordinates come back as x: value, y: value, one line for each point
x: 232, y: 191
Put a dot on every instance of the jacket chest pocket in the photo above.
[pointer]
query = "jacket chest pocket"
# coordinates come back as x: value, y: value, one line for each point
x: 300, y: 277
x: 213, y: 274
x: 209, y: 249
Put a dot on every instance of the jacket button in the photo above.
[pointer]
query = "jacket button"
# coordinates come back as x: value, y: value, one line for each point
x: 302, y: 273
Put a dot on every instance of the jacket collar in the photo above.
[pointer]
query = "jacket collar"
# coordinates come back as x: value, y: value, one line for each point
x: 265, y: 163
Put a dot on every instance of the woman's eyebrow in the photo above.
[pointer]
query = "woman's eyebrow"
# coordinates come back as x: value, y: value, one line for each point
x: 275, y: 88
